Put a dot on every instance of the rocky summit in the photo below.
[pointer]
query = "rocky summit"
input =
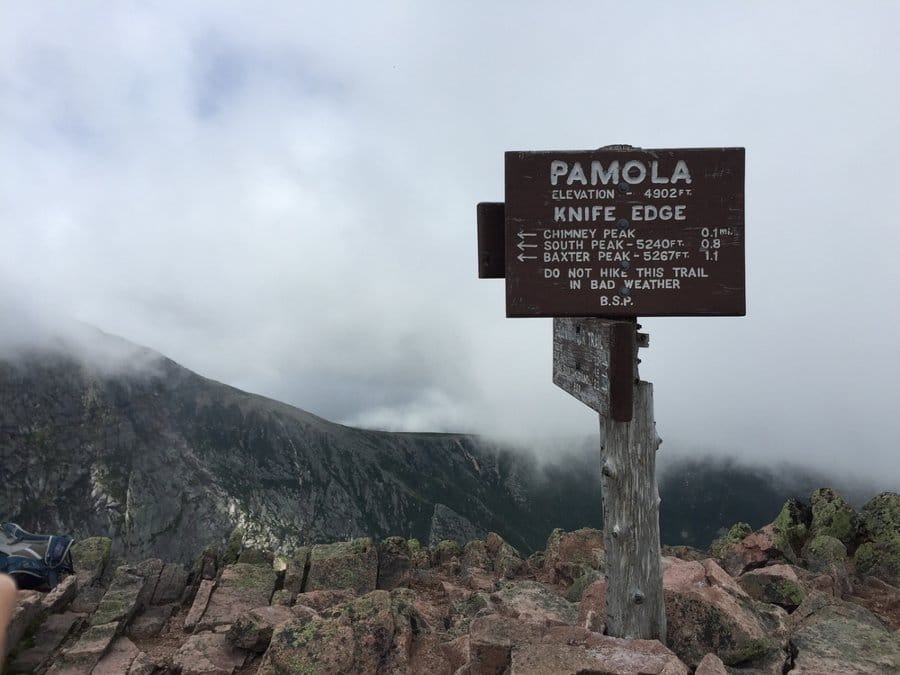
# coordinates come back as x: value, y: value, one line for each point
x: 772, y: 601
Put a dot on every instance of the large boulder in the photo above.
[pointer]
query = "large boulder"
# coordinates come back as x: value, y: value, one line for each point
x: 879, y: 554
x: 833, y: 516
x: 394, y: 562
x: 755, y: 550
x: 592, y: 608
x: 570, y: 555
x: 880, y: 598
x: 90, y: 557
x: 707, y: 611
x: 208, y: 654
x: 253, y: 629
x: 241, y: 588
x: 505, y: 559
x: 502, y: 645
x: 370, y: 634
x: 533, y: 602
x: 736, y: 534
x: 351, y: 564
x: 777, y: 584
x: 121, y: 599
x: 825, y: 554
x: 791, y: 528
x: 833, y: 636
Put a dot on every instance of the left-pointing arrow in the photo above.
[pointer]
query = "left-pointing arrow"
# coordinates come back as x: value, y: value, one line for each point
x: 522, y: 257
x: 522, y: 245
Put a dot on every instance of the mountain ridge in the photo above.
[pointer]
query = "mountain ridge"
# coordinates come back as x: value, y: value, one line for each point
x: 167, y: 461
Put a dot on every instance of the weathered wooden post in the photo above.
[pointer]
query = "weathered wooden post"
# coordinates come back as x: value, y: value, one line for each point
x: 634, y: 593
x: 596, y: 239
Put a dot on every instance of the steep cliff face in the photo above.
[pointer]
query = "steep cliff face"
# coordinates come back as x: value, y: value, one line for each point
x: 165, y: 461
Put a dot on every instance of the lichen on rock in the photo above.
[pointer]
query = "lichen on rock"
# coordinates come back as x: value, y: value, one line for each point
x: 833, y: 516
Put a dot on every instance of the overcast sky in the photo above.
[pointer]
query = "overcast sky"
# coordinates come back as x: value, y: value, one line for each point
x: 281, y: 196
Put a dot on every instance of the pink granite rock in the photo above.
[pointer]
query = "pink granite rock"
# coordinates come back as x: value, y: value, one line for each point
x: 533, y: 602
x: 201, y: 600
x: 171, y: 585
x: 830, y: 635
x: 711, y: 665
x: 28, y: 607
x: 777, y: 584
x: 592, y: 610
x: 241, y: 587
x: 322, y: 600
x: 569, y: 552
x: 48, y: 637
x: 457, y: 652
x: 351, y: 565
x: 370, y: 634
x: 118, y: 659
x: 253, y: 629
x: 499, y: 645
x: 60, y: 597
x: 707, y: 612
x: 208, y: 654
x: 755, y: 550
x: 565, y: 659
x: 86, y: 652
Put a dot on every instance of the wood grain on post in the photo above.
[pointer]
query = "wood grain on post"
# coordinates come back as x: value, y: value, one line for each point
x: 634, y: 594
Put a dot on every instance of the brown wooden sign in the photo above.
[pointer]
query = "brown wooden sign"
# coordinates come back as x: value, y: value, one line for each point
x: 624, y: 233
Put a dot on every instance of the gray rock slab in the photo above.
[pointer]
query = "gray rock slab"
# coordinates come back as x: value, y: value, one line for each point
x: 47, y: 639
x: 172, y: 582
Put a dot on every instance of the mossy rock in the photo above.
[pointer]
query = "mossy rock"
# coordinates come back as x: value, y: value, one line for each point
x: 444, y: 551
x: 833, y: 516
x: 248, y: 576
x: 256, y: 556
x: 825, y: 554
x: 418, y: 554
x: 90, y: 556
x: 791, y: 529
x: 120, y: 601
x: 206, y: 564
x: 779, y: 591
x: 505, y: 559
x: 233, y: 547
x: 471, y: 605
x: 475, y: 554
x: 394, y: 562
x: 736, y: 534
x: 359, y: 638
x: 343, y: 565
x: 879, y: 559
x: 397, y: 546
x: 588, y: 576
x: 748, y: 652
x: 880, y: 517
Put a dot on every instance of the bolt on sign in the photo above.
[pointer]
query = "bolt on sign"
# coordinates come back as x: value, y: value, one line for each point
x: 624, y: 233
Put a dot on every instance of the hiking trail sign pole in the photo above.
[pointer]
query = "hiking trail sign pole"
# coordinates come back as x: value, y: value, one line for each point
x: 595, y: 239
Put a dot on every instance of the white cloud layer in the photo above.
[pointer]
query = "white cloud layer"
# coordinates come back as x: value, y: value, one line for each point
x: 283, y: 198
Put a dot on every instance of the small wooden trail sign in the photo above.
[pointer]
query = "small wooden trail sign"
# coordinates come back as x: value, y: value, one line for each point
x: 593, y: 360
x: 595, y: 239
